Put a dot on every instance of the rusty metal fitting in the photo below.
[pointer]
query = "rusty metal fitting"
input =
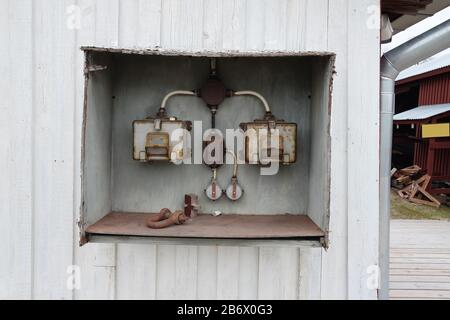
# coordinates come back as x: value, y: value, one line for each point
x: 269, y: 116
x: 178, y: 217
x: 165, y: 218
x: 191, y: 205
x: 162, y: 215
x: 161, y: 113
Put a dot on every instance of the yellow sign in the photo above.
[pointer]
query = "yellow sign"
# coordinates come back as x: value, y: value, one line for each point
x: 436, y: 130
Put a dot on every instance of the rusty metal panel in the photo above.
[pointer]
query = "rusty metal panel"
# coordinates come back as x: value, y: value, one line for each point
x: 209, y: 226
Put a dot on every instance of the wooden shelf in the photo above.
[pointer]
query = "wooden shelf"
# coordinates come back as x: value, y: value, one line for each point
x: 225, y: 226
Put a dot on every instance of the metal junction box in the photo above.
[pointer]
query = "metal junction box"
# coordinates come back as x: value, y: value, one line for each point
x: 268, y: 135
x: 161, y: 140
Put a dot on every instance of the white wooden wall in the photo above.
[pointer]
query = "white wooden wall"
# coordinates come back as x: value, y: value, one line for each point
x: 41, y: 90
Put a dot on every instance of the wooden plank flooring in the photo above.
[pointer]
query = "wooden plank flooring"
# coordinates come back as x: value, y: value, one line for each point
x: 420, y: 259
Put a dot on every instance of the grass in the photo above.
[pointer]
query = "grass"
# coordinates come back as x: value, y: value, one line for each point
x: 403, y: 209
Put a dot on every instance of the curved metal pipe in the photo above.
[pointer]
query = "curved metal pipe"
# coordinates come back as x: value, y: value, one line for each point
x: 175, y: 93
x: 415, y: 50
x: 255, y: 94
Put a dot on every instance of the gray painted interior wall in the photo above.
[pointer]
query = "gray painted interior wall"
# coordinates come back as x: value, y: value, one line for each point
x: 319, y: 162
x: 97, y: 161
x: 139, y: 85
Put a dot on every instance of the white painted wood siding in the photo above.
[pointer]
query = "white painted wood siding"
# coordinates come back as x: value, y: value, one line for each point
x: 41, y: 92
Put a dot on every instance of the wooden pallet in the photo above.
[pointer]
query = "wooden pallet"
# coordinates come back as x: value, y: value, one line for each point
x: 416, y: 192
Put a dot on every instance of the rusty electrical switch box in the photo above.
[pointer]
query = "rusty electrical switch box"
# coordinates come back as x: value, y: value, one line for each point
x: 271, y: 139
x: 156, y: 139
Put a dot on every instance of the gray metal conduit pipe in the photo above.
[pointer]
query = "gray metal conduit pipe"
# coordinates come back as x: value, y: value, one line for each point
x: 393, y: 62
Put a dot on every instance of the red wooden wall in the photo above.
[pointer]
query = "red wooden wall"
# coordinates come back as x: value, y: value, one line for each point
x: 435, y: 90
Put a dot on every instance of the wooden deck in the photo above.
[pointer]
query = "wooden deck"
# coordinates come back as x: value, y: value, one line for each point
x: 420, y: 259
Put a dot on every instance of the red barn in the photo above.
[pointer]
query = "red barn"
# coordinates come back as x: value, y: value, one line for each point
x: 423, y: 97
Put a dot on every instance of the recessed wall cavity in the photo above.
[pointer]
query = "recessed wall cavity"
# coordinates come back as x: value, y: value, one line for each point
x: 124, y: 87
